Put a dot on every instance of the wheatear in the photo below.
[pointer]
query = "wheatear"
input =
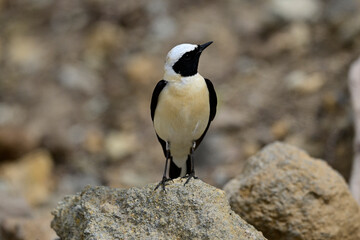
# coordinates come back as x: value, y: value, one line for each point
x: 183, y: 105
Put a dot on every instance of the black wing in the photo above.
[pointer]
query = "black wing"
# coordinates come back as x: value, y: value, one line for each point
x: 212, y: 98
x: 154, y: 100
x: 213, y: 104
x: 155, y: 96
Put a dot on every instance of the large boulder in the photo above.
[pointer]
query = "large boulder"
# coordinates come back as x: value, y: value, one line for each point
x: 288, y: 195
x: 194, y: 211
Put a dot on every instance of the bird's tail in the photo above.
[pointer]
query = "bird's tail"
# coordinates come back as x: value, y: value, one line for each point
x: 175, y: 171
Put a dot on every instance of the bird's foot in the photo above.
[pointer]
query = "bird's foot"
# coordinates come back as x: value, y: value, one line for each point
x: 189, y: 176
x: 163, y: 183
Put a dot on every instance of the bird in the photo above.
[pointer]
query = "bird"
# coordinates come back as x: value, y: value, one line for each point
x: 183, y: 105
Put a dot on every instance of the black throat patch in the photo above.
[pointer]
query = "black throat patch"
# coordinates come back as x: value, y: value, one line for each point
x: 187, y: 65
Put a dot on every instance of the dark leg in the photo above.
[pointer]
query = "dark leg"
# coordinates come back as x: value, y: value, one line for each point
x: 192, y: 172
x: 165, y: 179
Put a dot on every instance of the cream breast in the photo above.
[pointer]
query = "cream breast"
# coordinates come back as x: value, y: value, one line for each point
x: 183, y: 109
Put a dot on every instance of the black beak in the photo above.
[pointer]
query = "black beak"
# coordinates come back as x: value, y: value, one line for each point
x: 203, y: 46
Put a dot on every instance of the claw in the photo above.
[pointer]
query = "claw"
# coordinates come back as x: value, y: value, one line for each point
x: 163, y: 183
x: 189, y: 176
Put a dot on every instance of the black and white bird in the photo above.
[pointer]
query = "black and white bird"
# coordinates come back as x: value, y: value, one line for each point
x: 183, y: 105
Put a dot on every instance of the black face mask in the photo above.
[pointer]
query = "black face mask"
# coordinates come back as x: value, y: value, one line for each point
x: 187, y: 65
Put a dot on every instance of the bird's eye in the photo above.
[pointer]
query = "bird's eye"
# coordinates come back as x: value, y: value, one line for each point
x: 187, y: 56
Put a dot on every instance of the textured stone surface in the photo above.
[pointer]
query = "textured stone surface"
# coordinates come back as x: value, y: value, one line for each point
x: 288, y: 195
x: 194, y: 211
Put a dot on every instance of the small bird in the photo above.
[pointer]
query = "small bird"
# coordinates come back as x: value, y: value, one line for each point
x: 183, y: 105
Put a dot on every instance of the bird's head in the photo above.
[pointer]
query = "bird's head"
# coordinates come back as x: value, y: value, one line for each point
x: 183, y: 59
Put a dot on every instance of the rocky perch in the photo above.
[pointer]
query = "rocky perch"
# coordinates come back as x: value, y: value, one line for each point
x: 290, y: 196
x: 196, y: 211
x: 282, y: 192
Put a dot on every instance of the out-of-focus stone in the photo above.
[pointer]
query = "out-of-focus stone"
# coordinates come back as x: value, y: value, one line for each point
x: 2, y: 5
x: 1, y: 41
x: 94, y: 141
x: 28, y: 53
x: 350, y: 29
x: 15, y: 141
x: 12, y: 203
x: 120, y: 144
x: 194, y: 211
x: 296, y: 10
x: 250, y: 148
x: 280, y: 129
x: 336, y: 12
x: 288, y: 195
x: 295, y: 39
x: 143, y: 70
x: 124, y: 176
x: 330, y: 102
x: 80, y: 78
x: 104, y: 39
x: 11, y: 114
x: 27, y: 228
x: 301, y: 82
x: 32, y: 175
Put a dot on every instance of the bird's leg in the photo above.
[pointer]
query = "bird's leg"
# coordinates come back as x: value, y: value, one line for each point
x: 192, y: 171
x: 165, y: 179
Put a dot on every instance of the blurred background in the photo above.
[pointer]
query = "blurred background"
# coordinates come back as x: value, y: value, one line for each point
x: 76, y: 78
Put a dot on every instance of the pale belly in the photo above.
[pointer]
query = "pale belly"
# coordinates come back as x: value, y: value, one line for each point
x: 182, y: 115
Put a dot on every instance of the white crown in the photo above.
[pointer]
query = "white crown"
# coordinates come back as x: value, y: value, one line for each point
x: 175, y: 54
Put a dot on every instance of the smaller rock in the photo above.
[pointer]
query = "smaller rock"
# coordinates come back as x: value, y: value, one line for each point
x: 288, y: 195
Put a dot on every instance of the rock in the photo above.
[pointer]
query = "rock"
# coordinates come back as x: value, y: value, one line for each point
x: 31, y: 175
x: 288, y: 195
x: 194, y: 211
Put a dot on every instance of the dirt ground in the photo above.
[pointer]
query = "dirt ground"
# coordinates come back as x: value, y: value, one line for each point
x: 76, y: 78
